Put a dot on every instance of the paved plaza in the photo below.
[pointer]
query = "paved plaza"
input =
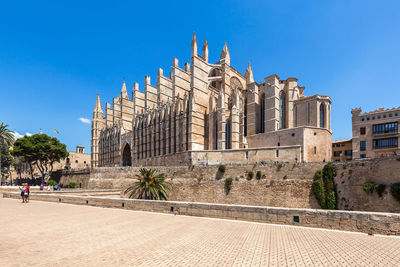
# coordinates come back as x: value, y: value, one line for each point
x: 52, y: 234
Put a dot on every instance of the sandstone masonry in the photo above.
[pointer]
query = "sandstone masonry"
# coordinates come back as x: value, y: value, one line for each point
x: 210, y: 113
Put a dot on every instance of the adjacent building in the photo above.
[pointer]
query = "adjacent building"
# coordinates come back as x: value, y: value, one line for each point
x: 211, y: 113
x: 376, y: 133
x: 342, y: 150
x: 77, y: 159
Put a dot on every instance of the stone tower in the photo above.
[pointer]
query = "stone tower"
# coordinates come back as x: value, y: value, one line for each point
x: 98, y: 124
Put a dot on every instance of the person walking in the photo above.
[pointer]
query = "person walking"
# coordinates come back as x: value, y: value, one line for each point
x: 24, y: 193
x: 28, y: 190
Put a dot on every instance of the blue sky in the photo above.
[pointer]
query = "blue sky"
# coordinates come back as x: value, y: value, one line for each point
x: 55, y: 56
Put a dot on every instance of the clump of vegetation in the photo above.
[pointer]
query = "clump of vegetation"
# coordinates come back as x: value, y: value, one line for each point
x: 149, y: 186
x: 380, y: 188
x: 222, y: 169
x: 72, y: 184
x: 363, y: 164
x: 258, y: 175
x: 51, y: 182
x: 250, y: 175
x: 319, y: 189
x: 344, y: 166
x: 369, y: 187
x: 331, y: 201
x: 350, y: 171
x: 228, y: 184
x: 323, y: 187
x: 395, y: 191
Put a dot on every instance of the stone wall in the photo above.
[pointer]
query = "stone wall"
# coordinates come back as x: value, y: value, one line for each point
x: 351, y: 177
x: 367, y: 222
x: 281, y: 185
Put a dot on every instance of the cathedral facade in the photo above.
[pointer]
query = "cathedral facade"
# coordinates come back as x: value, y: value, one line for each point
x: 210, y: 113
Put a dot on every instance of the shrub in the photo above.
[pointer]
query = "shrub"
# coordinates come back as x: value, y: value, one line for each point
x: 51, y: 182
x: 250, y: 174
x: 221, y: 168
x: 369, y: 187
x: 380, y: 188
x: 319, y: 191
x: 344, y: 166
x: 350, y: 171
x: 258, y: 175
x: 318, y: 174
x: 329, y: 171
x: 228, y: 184
x: 395, y: 191
x: 72, y: 184
x: 323, y: 187
x: 331, y: 201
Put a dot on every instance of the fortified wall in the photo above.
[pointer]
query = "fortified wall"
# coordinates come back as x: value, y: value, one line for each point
x: 350, y: 180
x: 281, y: 185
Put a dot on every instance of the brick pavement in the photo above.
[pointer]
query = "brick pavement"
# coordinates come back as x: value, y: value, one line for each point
x: 52, y: 234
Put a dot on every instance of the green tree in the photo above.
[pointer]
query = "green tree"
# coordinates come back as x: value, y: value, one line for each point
x: 150, y: 186
x: 40, y: 150
x: 6, y: 140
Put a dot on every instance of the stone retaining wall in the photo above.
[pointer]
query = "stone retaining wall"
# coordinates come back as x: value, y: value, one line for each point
x: 367, y: 222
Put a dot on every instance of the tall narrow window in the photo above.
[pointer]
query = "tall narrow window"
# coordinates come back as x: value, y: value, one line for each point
x: 262, y: 113
x: 215, y: 133
x: 322, y: 116
x: 227, y: 135
x: 245, y: 117
x: 282, y: 110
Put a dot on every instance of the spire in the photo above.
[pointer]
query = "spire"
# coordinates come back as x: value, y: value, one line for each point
x: 205, y: 50
x: 97, y: 107
x: 249, y: 74
x: 225, y: 55
x: 194, y: 45
x: 124, y: 93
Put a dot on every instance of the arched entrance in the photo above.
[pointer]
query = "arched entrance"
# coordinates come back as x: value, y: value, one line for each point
x: 126, y: 156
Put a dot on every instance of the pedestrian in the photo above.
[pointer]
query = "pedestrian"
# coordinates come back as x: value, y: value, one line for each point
x: 48, y: 187
x: 28, y: 191
x: 22, y: 193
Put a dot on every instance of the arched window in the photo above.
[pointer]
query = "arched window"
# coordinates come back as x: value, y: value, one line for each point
x: 215, y: 133
x: 322, y: 116
x: 228, y: 134
x: 282, y: 110
x: 262, y: 113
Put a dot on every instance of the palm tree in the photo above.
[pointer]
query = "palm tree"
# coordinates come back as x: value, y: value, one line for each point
x: 6, y: 140
x: 150, y: 186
